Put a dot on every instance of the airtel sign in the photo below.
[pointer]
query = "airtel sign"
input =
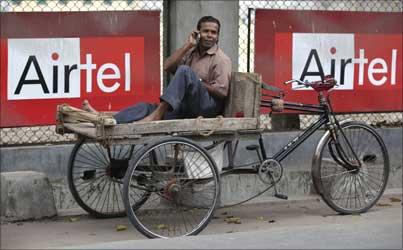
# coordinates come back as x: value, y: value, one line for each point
x: 361, y: 50
x: 316, y: 55
x: 59, y: 60
x: 50, y: 68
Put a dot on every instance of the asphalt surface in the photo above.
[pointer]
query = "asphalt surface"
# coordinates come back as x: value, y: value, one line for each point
x: 293, y: 224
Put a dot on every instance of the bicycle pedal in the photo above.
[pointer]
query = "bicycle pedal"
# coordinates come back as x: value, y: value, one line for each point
x: 252, y: 147
x: 281, y: 196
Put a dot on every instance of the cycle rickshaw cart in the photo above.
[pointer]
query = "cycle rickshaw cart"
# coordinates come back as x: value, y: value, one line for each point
x: 167, y: 183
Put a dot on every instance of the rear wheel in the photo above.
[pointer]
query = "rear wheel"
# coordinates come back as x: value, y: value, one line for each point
x: 95, y: 177
x: 352, y: 179
x: 183, y: 183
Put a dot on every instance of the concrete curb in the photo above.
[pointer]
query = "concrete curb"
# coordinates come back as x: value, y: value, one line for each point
x: 26, y: 195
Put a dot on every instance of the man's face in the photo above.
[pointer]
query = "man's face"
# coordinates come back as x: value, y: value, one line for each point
x: 208, y: 34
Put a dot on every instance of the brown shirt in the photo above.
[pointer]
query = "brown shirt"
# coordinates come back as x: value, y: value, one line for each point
x: 214, y: 67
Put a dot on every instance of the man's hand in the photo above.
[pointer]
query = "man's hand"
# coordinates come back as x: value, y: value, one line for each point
x: 171, y: 62
x: 192, y: 39
x: 213, y: 90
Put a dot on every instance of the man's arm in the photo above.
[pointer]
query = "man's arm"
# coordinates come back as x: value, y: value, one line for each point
x: 214, y: 90
x: 171, y: 63
x: 221, y: 77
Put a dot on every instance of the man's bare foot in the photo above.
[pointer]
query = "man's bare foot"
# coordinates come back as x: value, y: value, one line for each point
x: 150, y: 118
x: 87, y: 107
x: 158, y: 113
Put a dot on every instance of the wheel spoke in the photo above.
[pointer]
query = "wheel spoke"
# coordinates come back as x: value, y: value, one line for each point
x: 182, y: 204
x: 91, y: 181
x: 348, y: 189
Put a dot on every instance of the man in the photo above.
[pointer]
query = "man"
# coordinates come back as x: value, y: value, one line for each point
x: 199, y: 86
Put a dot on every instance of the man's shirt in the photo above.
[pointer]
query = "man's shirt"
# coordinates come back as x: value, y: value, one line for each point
x: 213, y: 67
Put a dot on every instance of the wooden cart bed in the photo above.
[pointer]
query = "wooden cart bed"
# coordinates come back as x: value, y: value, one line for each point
x: 80, y: 122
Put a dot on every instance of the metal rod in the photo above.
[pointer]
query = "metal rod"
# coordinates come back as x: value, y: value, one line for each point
x: 248, y: 42
x: 262, y: 148
x: 290, y: 147
x: 306, y: 109
x: 296, y: 104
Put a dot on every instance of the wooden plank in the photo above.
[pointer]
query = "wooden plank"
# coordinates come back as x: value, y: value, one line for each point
x: 197, y: 126
x: 85, y: 129
x: 70, y: 114
x: 244, y: 95
x: 152, y: 129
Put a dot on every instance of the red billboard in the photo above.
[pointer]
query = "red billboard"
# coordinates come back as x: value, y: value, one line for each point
x: 362, y: 50
x: 110, y: 58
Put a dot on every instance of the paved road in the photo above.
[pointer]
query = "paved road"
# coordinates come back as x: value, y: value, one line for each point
x: 297, y: 224
x: 365, y: 235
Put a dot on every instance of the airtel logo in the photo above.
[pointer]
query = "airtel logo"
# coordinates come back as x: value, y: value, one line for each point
x: 88, y: 66
x: 51, y: 68
x: 375, y: 66
x: 318, y: 54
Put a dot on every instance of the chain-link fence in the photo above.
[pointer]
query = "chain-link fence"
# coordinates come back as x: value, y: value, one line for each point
x: 46, y: 134
x: 246, y: 13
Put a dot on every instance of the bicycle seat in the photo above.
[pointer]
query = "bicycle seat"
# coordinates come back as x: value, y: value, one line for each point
x: 328, y: 83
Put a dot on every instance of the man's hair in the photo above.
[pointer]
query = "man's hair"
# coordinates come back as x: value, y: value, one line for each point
x: 208, y: 19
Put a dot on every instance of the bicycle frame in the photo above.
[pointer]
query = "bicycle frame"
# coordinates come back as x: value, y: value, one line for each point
x: 321, y: 109
x: 325, y: 111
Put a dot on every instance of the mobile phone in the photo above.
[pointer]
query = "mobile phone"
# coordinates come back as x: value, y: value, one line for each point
x: 196, y: 35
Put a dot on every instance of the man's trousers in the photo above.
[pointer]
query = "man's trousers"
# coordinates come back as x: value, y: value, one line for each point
x: 186, y: 96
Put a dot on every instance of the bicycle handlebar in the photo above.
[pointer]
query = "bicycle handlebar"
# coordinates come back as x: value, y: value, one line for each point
x: 329, y: 81
x: 295, y: 80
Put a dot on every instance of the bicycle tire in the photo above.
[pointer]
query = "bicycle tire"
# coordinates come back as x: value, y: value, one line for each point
x: 184, y: 192
x: 352, y: 191
x: 90, y: 180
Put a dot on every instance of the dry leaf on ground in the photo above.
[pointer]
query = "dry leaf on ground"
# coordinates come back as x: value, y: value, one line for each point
x: 235, y: 220
x: 383, y: 205
x: 162, y: 226
x: 73, y: 219
x: 260, y: 218
x: 121, y: 228
x: 393, y: 199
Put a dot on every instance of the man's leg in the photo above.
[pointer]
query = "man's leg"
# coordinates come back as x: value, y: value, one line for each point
x: 135, y: 112
x: 127, y: 115
x: 158, y: 113
x: 183, y: 97
x: 189, y: 96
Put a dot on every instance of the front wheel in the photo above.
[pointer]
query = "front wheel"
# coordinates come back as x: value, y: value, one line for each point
x: 183, y: 184
x: 351, y: 182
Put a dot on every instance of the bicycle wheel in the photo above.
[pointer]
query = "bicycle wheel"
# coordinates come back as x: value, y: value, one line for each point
x: 345, y: 184
x: 184, y: 189
x: 95, y: 176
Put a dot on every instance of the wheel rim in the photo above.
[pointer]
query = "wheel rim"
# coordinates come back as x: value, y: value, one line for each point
x: 96, y: 174
x: 351, y: 189
x: 183, y: 186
